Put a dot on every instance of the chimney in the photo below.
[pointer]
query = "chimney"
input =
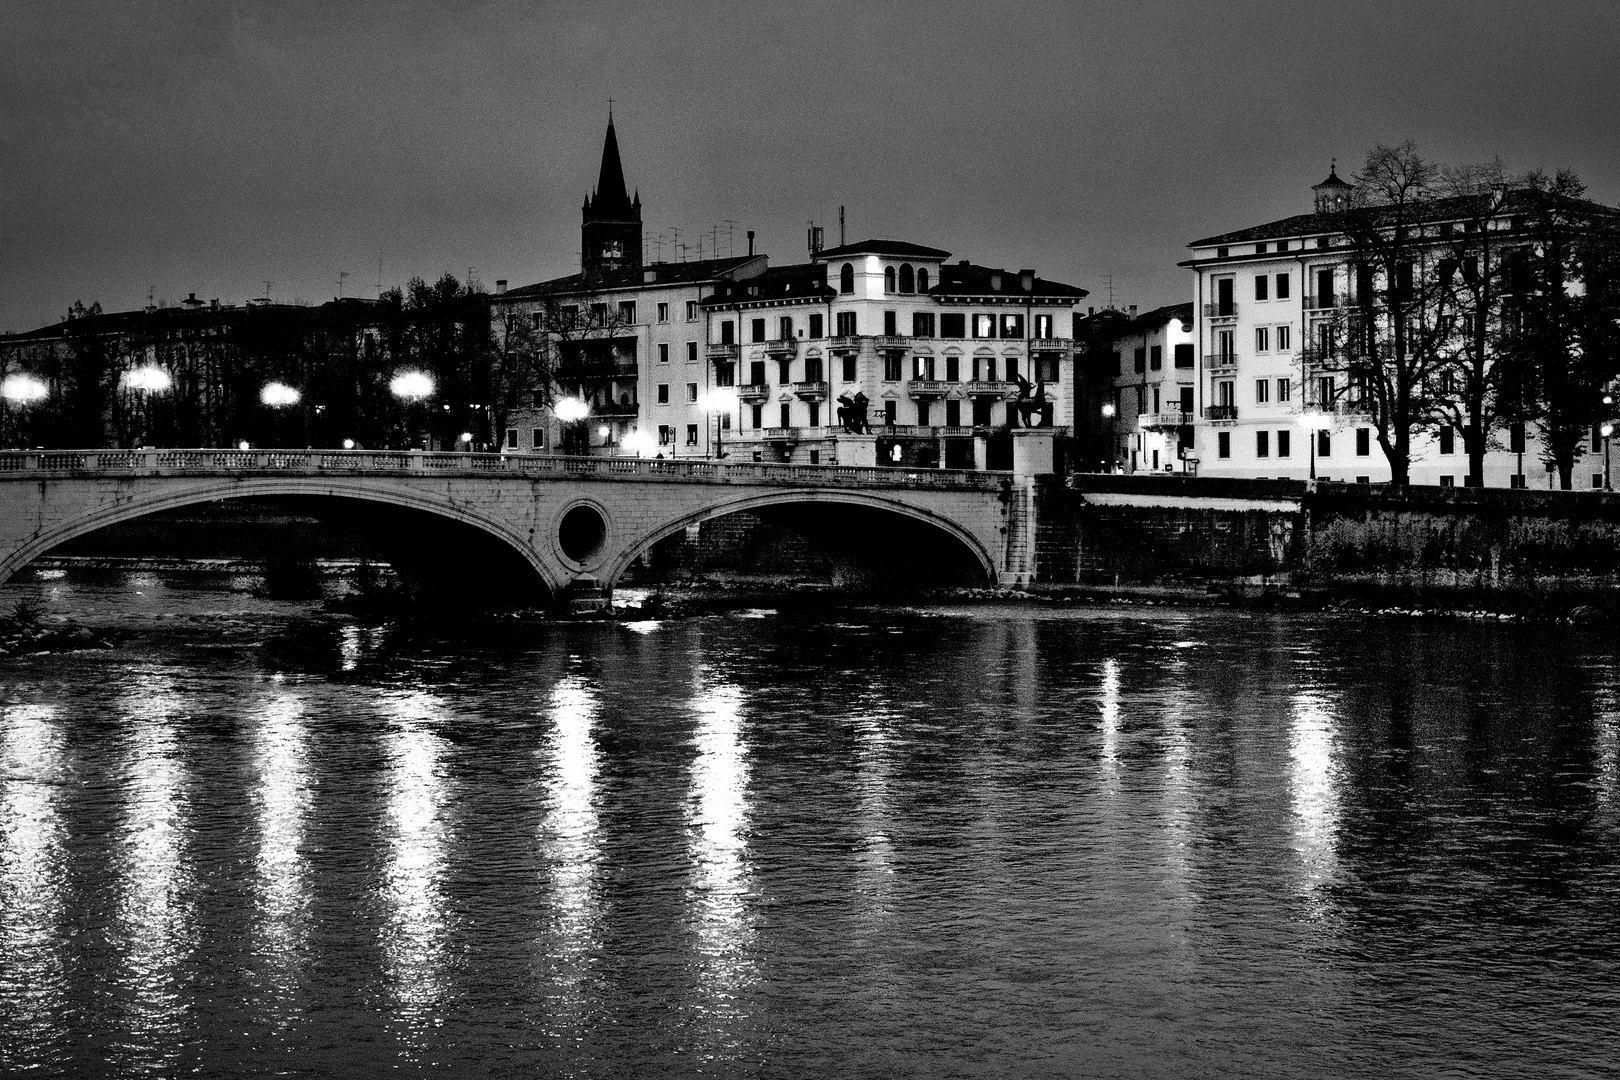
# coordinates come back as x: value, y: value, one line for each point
x: 1132, y: 310
x: 500, y: 286
x: 816, y: 239
x: 750, y: 243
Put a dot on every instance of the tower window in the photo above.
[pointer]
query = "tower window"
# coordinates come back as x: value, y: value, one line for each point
x: 908, y: 281
x: 846, y: 279
x: 888, y: 279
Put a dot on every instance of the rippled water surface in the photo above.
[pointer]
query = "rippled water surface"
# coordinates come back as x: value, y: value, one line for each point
x: 972, y: 841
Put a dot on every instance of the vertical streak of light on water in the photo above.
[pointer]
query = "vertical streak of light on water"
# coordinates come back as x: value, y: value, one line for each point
x: 1608, y: 756
x: 1109, y: 758
x: 571, y: 843
x: 414, y: 937
x: 1314, y: 791
x: 717, y: 820
x: 1179, y: 791
x: 155, y: 921
x: 875, y: 860
x: 32, y: 870
x: 281, y: 803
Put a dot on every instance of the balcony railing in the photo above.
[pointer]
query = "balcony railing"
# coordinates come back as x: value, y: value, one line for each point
x: 928, y: 387
x: 813, y: 388
x: 1220, y: 360
x: 598, y: 369
x: 782, y: 434
x: 890, y: 342
x: 614, y: 409
x: 989, y: 388
x: 782, y: 346
x: 1220, y: 412
x: 1051, y: 345
x: 1321, y: 302
x: 1166, y: 418
x: 753, y: 391
x: 845, y: 343
x: 723, y: 350
x: 1221, y: 311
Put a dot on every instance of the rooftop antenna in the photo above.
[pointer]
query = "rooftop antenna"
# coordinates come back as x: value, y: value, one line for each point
x: 379, y: 277
x: 841, y: 240
x: 730, y: 227
x: 676, y: 244
x: 1109, y: 282
x: 267, y: 289
x: 342, y: 276
x: 472, y: 278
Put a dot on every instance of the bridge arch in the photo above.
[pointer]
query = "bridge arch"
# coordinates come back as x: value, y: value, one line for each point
x: 173, y: 496
x: 973, y: 544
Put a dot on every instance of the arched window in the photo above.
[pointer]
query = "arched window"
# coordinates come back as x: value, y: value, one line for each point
x: 907, y: 282
x: 846, y: 279
x: 888, y: 279
x: 922, y: 280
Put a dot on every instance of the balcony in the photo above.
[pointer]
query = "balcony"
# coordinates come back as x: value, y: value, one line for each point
x: 845, y: 343
x: 725, y: 350
x: 753, y: 392
x: 1220, y: 413
x: 1166, y: 418
x: 597, y: 369
x: 1324, y: 302
x: 782, y: 434
x: 890, y: 343
x: 1220, y: 361
x: 931, y: 388
x: 782, y: 347
x: 1057, y: 344
x: 1219, y: 312
x: 990, y: 388
x: 813, y: 390
x: 614, y: 411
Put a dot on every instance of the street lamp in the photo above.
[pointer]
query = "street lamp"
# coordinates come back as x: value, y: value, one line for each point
x: 279, y: 395
x: 22, y: 390
x: 146, y: 381
x: 720, y: 401
x: 1606, y: 430
x: 570, y: 410
x: 1313, y: 421
x: 639, y: 443
x: 411, y: 387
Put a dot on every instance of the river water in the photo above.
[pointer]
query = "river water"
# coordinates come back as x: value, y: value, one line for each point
x: 953, y: 841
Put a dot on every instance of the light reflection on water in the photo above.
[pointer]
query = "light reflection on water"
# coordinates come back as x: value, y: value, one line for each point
x: 156, y: 884
x: 32, y: 839
x: 980, y: 842
x: 282, y: 800
x: 570, y: 843
x: 717, y: 847
x: 416, y: 917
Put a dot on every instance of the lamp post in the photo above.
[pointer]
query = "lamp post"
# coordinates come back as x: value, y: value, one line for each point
x: 1108, y: 411
x: 278, y: 396
x: 639, y: 443
x: 570, y: 410
x: 146, y: 381
x: 720, y: 401
x: 1313, y: 421
x: 1606, y: 430
x: 19, y: 391
x: 411, y: 387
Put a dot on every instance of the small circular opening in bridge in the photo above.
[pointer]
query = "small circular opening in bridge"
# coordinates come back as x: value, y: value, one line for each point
x: 582, y: 532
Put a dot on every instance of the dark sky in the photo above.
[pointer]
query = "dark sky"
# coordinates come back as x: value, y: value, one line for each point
x: 205, y: 146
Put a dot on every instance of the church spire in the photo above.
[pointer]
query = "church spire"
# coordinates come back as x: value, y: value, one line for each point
x: 611, y: 222
x: 610, y: 191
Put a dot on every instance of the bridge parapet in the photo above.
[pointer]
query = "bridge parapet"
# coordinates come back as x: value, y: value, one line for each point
x: 32, y: 464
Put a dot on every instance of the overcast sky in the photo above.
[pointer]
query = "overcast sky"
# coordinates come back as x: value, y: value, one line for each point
x: 208, y: 147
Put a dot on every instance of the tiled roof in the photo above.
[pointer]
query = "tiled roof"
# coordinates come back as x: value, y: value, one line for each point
x: 799, y: 281
x: 1161, y: 315
x: 968, y: 279
x: 676, y: 273
x: 897, y: 249
x: 1456, y: 208
x: 166, y: 319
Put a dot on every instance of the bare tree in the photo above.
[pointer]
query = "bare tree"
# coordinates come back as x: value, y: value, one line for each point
x: 1390, y: 340
x: 581, y: 348
x: 1565, y: 284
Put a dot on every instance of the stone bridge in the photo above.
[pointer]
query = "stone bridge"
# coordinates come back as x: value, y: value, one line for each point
x: 564, y: 517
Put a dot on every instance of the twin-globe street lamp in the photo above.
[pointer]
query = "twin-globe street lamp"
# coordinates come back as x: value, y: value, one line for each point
x: 411, y: 387
x: 570, y: 410
x: 20, y: 391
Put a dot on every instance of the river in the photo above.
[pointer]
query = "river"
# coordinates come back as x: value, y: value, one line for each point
x: 996, y: 840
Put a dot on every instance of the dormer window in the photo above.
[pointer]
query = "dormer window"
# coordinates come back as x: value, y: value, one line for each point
x: 995, y: 282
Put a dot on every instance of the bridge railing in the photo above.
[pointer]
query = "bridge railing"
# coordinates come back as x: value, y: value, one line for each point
x: 191, y: 462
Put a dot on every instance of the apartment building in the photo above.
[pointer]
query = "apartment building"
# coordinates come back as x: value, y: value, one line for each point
x: 1155, y: 381
x: 1267, y: 306
x: 947, y: 354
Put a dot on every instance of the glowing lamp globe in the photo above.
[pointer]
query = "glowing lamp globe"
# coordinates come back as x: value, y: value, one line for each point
x: 570, y: 409
x: 639, y: 443
x: 22, y: 389
x: 151, y: 379
x: 279, y: 395
x: 412, y: 385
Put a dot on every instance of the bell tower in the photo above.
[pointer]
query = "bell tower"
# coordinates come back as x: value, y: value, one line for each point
x: 610, y: 230
x: 1332, y: 194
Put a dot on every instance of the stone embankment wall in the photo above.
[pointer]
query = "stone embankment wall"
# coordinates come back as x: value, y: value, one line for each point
x: 1132, y: 532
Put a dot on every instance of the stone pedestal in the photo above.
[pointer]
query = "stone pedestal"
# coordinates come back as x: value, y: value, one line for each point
x: 857, y: 450
x: 1033, y: 451
x: 981, y: 452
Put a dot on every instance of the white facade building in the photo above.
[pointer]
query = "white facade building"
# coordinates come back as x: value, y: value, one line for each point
x: 1155, y: 388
